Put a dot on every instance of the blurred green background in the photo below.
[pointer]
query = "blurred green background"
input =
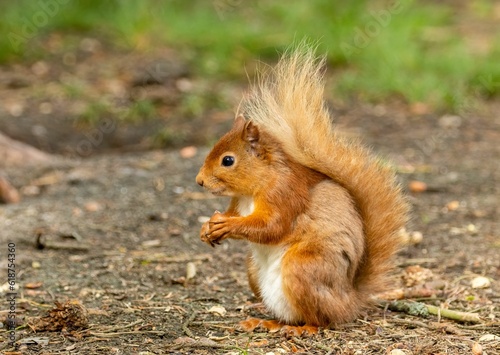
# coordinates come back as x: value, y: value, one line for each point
x: 438, y: 54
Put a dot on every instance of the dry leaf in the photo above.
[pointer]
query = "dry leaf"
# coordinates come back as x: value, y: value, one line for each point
x: 417, y: 186
x: 397, y: 352
x: 92, y: 206
x: 35, y: 341
x: 489, y: 337
x: 219, y: 310
x: 480, y: 282
x: 184, y: 340
x: 188, y: 152
x: 33, y: 285
x: 453, y: 205
x: 48, y: 179
x: 259, y: 343
x: 151, y: 243
x: 190, y: 270
x: 414, y: 275
x: 477, y: 349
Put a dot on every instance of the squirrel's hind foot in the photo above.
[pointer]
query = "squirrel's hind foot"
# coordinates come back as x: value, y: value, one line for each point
x: 273, y: 326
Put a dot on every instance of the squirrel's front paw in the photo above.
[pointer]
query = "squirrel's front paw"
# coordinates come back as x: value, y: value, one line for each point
x: 204, y: 233
x: 218, y: 229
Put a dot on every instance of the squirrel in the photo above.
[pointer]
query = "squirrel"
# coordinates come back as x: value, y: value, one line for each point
x: 320, y: 213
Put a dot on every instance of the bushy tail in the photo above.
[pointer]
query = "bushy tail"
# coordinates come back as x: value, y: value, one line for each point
x: 288, y: 102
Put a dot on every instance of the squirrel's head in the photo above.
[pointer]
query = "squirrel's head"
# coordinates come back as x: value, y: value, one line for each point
x: 238, y: 164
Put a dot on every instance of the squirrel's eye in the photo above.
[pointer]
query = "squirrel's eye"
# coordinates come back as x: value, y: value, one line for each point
x: 228, y: 160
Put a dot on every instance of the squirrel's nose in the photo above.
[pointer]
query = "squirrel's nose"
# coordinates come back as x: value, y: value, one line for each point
x: 199, y: 180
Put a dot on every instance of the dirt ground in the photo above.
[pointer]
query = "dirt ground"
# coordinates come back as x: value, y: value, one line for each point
x: 109, y: 230
x: 118, y: 233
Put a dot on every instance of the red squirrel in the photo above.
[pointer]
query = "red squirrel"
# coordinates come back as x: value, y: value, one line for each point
x: 321, y: 214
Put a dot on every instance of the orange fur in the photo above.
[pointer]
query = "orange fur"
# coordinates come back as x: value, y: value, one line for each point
x: 321, y: 213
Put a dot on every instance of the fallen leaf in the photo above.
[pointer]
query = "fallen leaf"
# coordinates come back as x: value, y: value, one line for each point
x: 219, y: 310
x: 480, y: 282
x: 92, y: 206
x: 453, y: 205
x: 48, y: 179
x: 415, y: 274
x: 259, y: 343
x: 489, y: 337
x: 397, y: 352
x: 190, y: 270
x: 184, y: 340
x: 477, y: 349
x: 151, y: 243
x: 35, y: 341
x: 33, y: 285
x: 188, y: 152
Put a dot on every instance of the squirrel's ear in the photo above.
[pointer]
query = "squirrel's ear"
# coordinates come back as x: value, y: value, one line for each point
x: 251, y: 134
x: 239, y: 122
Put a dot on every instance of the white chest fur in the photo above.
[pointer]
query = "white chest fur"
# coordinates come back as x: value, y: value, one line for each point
x: 267, y: 259
x: 245, y: 205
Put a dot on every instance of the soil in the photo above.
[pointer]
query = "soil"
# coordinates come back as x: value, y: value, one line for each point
x: 113, y: 238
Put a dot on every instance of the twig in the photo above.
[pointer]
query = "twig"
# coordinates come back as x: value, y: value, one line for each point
x: 423, y: 310
x: 116, y: 334
x: 185, y: 326
x: 418, y: 261
x: 455, y: 315
x: 315, y: 344
x: 203, y: 344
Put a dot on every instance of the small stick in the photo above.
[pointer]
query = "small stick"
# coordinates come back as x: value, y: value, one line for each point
x: 118, y: 334
x: 185, y: 326
x: 423, y: 310
x: 455, y: 315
